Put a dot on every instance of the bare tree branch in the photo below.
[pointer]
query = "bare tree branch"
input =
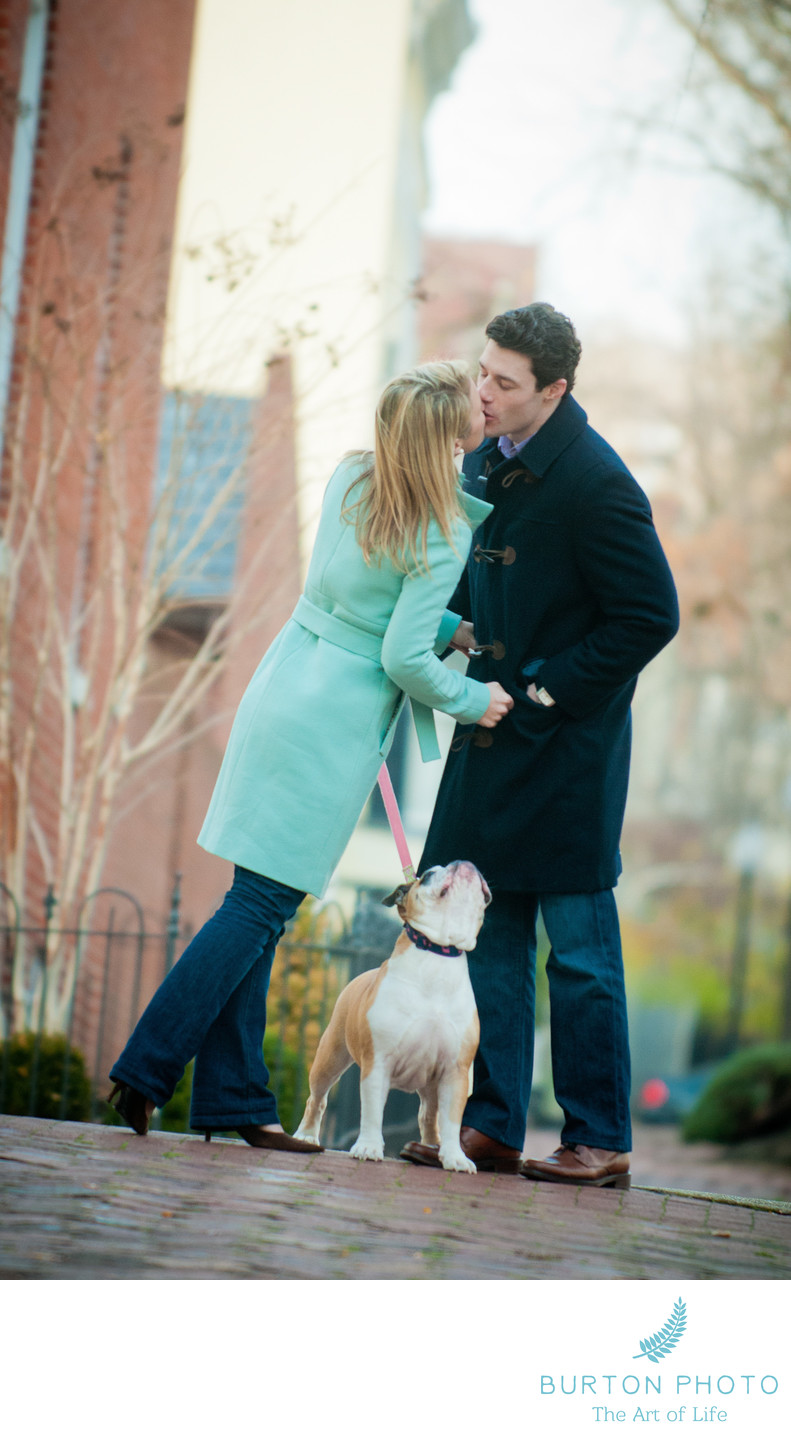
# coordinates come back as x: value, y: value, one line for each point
x: 709, y: 34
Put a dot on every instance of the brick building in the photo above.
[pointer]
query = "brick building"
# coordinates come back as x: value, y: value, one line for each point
x: 465, y: 282
x: 93, y: 102
x: 92, y: 112
x: 90, y: 145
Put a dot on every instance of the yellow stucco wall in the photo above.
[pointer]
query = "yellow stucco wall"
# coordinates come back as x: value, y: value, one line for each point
x: 286, y: 231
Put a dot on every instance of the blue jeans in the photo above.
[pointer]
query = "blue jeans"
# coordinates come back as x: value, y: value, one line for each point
x: 212, y: 1006
x: 590, y: 1039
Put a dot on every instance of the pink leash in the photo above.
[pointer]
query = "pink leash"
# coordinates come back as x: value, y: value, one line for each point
x: 396, y: 825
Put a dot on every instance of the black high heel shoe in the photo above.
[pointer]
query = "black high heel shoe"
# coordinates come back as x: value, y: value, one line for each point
x: 271, y: 1140
x: 132, y: 1106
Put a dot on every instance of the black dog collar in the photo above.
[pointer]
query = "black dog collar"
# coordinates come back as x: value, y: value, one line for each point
x: 422, y: 941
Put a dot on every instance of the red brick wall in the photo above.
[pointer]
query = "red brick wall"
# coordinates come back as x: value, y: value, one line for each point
x: 13, y: 15
x: 90, y: 327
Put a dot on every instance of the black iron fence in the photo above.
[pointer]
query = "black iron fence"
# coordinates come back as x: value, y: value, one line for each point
x: 115, y: 960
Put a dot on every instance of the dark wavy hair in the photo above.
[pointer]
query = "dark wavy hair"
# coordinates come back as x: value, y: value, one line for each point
x: 545, y: 337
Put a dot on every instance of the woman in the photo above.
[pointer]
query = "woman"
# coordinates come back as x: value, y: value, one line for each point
x: 308, y: 739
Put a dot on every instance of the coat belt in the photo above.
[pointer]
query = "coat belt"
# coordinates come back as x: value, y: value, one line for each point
x: 366, y: 643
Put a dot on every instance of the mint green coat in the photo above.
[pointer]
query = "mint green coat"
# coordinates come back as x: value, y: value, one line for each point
x: 318, y: 716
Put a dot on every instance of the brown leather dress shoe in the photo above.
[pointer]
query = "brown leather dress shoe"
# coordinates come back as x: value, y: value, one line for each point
x: 420, y: 1155
x: 488, y: 1154
x: 581, y: 1166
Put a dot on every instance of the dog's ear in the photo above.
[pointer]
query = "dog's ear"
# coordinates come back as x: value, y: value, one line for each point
x: 396, y: 898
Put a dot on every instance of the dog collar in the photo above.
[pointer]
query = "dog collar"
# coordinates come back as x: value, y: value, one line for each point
x: 426, y: 945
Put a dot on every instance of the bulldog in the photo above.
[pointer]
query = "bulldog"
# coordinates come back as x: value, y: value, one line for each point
x: 411, y: 1023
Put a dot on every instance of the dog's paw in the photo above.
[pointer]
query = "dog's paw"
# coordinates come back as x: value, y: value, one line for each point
x: 457, y: 1161
x: 367, y: 1150
x: 305, y: 1133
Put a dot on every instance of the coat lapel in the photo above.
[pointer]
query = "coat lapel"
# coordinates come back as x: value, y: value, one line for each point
x: 560, y: 429
x: 474, y: 506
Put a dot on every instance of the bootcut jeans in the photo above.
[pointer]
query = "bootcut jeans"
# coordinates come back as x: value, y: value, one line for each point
x: 212, y: 1006
x: 588, y: 1022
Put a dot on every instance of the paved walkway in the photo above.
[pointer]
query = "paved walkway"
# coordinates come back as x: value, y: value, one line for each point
x: 92, y: 1202
x: 661, y: 1158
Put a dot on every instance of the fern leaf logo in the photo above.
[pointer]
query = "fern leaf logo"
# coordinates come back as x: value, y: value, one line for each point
x: 656, y: 1347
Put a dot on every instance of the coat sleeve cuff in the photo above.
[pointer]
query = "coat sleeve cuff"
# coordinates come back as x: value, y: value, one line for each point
x: 480, y: 698
x: 448, y: 624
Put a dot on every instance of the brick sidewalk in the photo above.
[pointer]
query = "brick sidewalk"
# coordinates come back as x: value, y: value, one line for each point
x: 661, y: 1158
x: 92, y: 1202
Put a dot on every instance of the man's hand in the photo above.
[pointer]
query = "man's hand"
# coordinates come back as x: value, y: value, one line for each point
x: 500, y: 703
x: 532, y: 693
x: 464, y: 638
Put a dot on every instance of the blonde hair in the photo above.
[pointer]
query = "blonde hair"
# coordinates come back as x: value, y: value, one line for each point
x: 411, y: 476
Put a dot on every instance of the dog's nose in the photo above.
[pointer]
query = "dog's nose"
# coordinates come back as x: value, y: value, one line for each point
x: 469, y: 872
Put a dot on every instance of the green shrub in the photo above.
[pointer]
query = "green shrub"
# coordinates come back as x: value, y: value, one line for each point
x: 175, y: 1114
x: 17, y: 1067
x: 288, y: 1078
x: 749, y: 1096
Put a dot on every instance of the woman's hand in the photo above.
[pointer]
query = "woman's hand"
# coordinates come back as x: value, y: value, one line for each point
x: 464, y: 638
x: 499, y: 704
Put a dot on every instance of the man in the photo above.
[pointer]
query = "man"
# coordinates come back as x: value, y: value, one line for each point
x: 569, y: 595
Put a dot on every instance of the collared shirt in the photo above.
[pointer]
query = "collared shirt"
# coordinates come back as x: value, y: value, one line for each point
x: 508, y: 449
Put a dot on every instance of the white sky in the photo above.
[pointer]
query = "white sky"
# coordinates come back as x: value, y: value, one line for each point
x: 529, y: 145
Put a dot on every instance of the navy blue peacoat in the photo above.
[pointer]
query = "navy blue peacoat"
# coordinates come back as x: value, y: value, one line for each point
x: 568, y: 584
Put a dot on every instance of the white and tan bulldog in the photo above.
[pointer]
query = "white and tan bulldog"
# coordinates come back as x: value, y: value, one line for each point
x: 411, y: 1023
